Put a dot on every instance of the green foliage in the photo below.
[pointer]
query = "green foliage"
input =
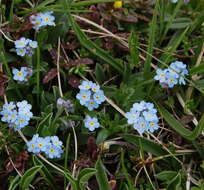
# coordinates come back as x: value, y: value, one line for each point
x: 124, y: 47
x: 28, y: 176
x: 101, y: 176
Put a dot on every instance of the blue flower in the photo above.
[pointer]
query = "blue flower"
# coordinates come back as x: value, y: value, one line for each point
x: 47, y: 19
x: 139, y: 106
x: 152, y: 126
x: 99, y: 97
x: 21, y: 52
x: 95, y: 87
x: 33, y: 147
x: 83, y: 96
x: 91, y: 105
x: 161, y: 75
x: 53, y: 151
x: 26, y: 114
x: 173, y: 75
x: 16, y: 116
x: 55, y: 141
x: 19, y: 75
x: 50, y: 145
x: 132, y: 117
x: 86, y: 85
x: 33, y: 44
x: 142, y: 116
x: 171, y: 80
x: 21, y: 122
x: 9, y: 107
x: 149, y: 116
x: 21, y: 43
x: 42, y: 144
x: 42, y: 19
x: 90, y: 95
x: 13, y: 116
x: 141, y: 125
x: 25, y: 46
x: 24, y: 106
x: 6, y: 116
x: 91, y: 123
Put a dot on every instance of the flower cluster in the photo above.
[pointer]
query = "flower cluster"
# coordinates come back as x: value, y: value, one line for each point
x: 91, y: 123
x: 25, y: 46
x: 172, y: 75
x: 23, y: 74
x: 90, y: 95
x: 42, y: 19
x: 61, y: 103
x: 143, y: 117
x: 16, y: 115
x: 50, y: 145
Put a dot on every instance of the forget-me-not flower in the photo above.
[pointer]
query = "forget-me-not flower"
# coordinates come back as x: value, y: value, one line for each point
x: 91, y: 123
x: 142, y: 116
x: 173, y: 75
x: 90, y: 95
x: 25, y: 46
x: 42, y: 19
x: 50, y: 145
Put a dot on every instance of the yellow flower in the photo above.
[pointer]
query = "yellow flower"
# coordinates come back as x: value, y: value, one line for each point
x: 118, y: 4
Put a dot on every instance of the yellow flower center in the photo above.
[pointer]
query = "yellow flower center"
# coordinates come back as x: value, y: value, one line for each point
x: 91, y: 123
x: 21, y: 120
x: 84, y: 96
x: 21, y: 43
x: 142, y: 124
x: 151, y: 124
x: 20, y: 74
x: 46, y: 19
x: 32, y: 146
x: 118, y: 4
x: 51, y: 150
x: 40, y: 145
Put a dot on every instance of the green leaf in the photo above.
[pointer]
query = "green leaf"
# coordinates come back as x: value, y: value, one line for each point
x: 84, y: 176
x: 166, y: 175
x: 178, y: 127
x: 125, y: 172
x: 181, y: 23
x: 147, y: 145
x: 175, y: 183
x: 175, y: 124
x: 134, y: 52
x: 28, y: 177
x: 100, y: 74
x: 73, y: 181
x: 45, y: 172
x: 197, y: 69
x: 44, y: 123
x: 152, y: 37
x: 101, y: 176
x: 92, y: 47
x: 102, y: 135
x: 14, y: 184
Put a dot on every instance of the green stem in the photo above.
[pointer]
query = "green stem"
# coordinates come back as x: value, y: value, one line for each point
x: 10, y: 74
x: 38, y: 75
